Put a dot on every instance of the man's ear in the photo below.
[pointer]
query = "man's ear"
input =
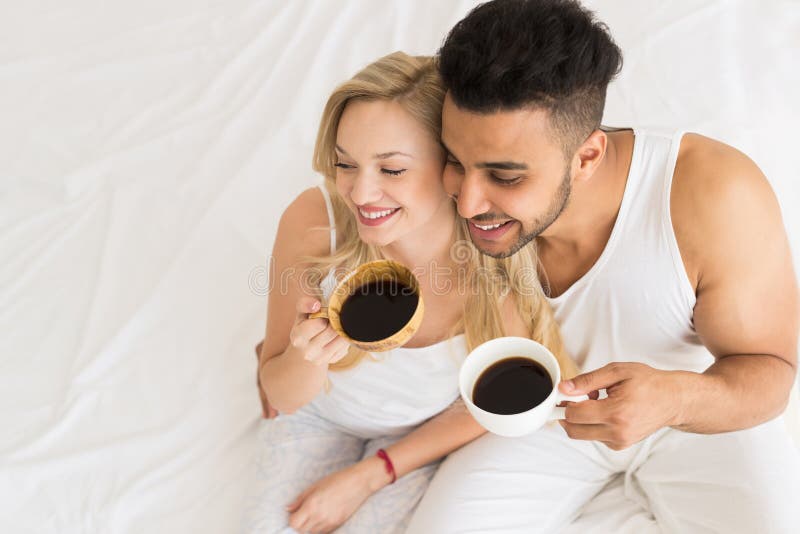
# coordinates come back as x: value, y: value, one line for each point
x: 588, y: 156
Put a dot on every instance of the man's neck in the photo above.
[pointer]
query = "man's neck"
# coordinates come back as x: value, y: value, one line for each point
x: 594, y: 203
x: 577, y: 238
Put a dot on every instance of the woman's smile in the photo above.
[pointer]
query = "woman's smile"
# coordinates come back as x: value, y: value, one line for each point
x: 375, y: 216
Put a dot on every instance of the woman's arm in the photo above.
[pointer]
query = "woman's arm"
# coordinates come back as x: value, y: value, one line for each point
x: 328, y: 503
x: 442, y: 434
x: 298, y: 374
x: 296, y: 350
x: 431, y: 441
x: 434, y: 439
x: 332, y: 500
x: 267, y: 411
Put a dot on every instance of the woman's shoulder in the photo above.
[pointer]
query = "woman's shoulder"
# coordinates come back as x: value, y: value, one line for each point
x: 304, y: 227
x: 309, y: 207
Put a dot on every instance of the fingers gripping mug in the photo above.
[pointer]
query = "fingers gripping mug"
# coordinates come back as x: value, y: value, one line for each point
x: 377, y: 307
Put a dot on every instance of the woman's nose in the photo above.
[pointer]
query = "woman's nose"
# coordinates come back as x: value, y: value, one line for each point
x: 365, y: 190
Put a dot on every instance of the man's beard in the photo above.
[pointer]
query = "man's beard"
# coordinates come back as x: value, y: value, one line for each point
x: 541, y: 224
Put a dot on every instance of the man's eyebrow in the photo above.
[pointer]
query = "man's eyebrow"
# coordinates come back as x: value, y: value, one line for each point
x: 503, y: 166
x: 497, y: 165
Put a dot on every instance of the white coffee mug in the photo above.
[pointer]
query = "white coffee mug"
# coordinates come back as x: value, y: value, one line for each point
x: 518, y: 424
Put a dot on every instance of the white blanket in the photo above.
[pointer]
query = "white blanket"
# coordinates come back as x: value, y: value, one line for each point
x: 147, y: 150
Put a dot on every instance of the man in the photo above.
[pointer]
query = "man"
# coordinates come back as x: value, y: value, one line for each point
x: 666, y: 261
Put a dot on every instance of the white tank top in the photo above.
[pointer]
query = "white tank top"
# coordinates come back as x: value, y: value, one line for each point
x: 636, y: 302
x: 389, y: 393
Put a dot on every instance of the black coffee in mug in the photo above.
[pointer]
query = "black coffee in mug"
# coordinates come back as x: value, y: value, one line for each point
x: 378, y: 310
x: 512, y: 385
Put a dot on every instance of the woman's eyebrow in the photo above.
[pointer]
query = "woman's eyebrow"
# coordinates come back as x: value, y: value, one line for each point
x: 382, y: 155
x: 385, y: 155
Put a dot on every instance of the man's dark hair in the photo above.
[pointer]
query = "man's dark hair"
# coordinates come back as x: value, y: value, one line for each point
x: 549, y: 54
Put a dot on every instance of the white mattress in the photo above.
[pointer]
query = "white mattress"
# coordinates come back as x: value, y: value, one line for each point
x: 146, y: 152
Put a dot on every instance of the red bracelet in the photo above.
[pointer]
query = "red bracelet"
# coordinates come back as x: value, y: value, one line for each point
x: 389, y: 466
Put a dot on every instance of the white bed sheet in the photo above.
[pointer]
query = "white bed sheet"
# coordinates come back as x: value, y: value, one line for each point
x: 147, y: 150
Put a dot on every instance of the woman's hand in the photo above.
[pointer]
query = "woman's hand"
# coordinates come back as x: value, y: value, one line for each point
x: 315, y: 339
x: 328, y: 503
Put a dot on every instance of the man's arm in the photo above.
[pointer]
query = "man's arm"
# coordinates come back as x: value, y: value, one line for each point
x: 736, y: 255
x: 729, y: 229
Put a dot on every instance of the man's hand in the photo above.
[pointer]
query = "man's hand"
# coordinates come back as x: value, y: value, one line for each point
x: 640, y: 401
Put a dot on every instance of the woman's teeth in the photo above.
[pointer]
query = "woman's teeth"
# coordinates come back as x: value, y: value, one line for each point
x: 376, y: 214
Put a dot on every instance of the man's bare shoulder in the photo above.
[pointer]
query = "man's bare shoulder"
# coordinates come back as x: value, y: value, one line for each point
x: 719, y: 195
x: 709, y: 167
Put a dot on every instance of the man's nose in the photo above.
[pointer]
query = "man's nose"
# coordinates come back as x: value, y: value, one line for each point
x: 471, y: 198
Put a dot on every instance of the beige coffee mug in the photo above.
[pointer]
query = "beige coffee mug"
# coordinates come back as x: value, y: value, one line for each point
x: 380, y: 270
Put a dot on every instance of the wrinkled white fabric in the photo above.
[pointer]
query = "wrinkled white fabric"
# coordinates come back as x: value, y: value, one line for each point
x: 147, y: 150
x: 672, y: 482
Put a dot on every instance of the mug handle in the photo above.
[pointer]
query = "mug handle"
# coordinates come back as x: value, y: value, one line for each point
x: 321, y: 314
x: 560, y: 412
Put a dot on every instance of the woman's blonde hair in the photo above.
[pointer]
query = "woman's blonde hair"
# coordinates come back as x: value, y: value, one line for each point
x: 414, y: 83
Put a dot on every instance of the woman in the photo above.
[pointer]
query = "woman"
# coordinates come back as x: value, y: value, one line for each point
x: 353, y: 422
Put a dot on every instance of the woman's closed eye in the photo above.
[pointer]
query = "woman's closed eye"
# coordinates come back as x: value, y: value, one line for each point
x: 384, y: 170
